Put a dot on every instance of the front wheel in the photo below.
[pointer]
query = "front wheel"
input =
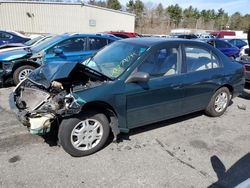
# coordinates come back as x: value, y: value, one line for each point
x: 21, y: 73
x: 84, y: 134
x: 218, y: 103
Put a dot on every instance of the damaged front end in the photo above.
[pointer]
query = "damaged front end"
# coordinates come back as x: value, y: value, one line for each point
x: 47, y: 95
x: 40, y: 107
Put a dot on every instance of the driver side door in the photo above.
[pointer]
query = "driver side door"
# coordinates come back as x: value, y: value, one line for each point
x: 73, y: 49
x: 161, y: 97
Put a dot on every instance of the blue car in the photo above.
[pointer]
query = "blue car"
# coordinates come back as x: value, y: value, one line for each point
x: 7, y: 37
x: 225, y: 47
x: 16, y: 64
x: 237, y: 42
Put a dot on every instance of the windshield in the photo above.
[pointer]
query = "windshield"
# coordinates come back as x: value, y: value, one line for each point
x: 46, y: 43
x: 114, y: 59
x: 32, y: 41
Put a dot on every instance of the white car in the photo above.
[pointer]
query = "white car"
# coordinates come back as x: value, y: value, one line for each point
x: 244, y: 51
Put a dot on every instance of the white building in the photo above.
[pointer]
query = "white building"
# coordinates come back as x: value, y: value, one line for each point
x: 46, y: 17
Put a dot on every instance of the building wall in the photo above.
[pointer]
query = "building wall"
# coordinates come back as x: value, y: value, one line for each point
x: 32, y: 17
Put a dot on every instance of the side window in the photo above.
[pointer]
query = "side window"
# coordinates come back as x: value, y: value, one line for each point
x: 198, y: 59
x: 5, y: 36
x: 162, y: 62
x: 96, y: 43
x: 240, y: 43
x: 70, y: 45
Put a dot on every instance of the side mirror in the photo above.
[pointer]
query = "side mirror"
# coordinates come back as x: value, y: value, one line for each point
x: 58, y: 51
x: 138, y: 77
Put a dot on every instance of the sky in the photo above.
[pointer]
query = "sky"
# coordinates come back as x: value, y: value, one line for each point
x: 230, y: 6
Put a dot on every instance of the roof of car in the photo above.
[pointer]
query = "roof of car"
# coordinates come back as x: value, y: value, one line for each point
x: 88, y: 34
x: 14, y: 33
x: 151, y: 41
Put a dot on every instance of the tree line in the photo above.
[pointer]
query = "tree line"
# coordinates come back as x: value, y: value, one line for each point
x: 159, y: 19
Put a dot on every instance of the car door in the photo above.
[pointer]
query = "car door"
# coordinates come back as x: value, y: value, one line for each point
x: 73, y: 49
x: 202, y: 71
x: 160, y: 98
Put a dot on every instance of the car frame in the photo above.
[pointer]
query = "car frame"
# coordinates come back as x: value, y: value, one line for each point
x: 92, y: 108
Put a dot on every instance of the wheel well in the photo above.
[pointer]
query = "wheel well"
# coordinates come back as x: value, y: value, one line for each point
x: 102, y: 107
x: 108, y: 111
x: 19, y: 64
x: 229, y: 87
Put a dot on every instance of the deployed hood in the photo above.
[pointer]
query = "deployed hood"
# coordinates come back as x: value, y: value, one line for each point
x: 12, y: 54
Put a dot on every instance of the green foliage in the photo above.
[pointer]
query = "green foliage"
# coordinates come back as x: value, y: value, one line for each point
x: 175, y: 13
x: 97, y: 3
x: 136, y: 7
x: 114, y: 4
x: 159, y: 10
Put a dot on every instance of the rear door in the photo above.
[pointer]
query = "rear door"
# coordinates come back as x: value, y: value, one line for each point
x: 160, y: 98
x: 203, y: 72
x: 73, y: 49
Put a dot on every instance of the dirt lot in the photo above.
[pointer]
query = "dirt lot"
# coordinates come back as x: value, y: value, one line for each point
x: 190, y: 151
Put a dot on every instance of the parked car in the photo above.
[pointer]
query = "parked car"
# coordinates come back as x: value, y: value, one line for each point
x: 223, y: 34
x: 124, y: 35
x: 185, y: 36
x: 244, y: 51
x: 29, y: 43
x: 16, y: 64
x: 237, y: 42
x: 128, y: 84
x: 226, y: 48
x: 204, y: 35
x: 12, y: 37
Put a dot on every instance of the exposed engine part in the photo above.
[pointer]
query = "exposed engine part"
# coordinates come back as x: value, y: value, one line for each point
x: 41, y: 123
x: 71, y: 106
x: 56, y: 85
x: 31, y: 98
x: 89, y: 84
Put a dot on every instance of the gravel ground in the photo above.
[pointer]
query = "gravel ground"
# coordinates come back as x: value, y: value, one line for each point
x: 189, y: 151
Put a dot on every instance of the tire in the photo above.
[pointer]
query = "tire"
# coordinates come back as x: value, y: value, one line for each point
x: 21, y: 70
x: 86, y: 134
x: 217, y: 107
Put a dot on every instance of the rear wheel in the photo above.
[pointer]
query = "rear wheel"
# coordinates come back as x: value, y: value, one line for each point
x: 218, y: 103
x: 21, y: 73
x: 84, y: 134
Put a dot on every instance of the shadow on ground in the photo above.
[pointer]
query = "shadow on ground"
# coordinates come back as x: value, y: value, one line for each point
x: 157, y: 125
x: 232, y: 177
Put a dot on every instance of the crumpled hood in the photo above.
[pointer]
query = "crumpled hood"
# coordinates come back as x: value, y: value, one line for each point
x: 49, y: 72
x: 12, y: 54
